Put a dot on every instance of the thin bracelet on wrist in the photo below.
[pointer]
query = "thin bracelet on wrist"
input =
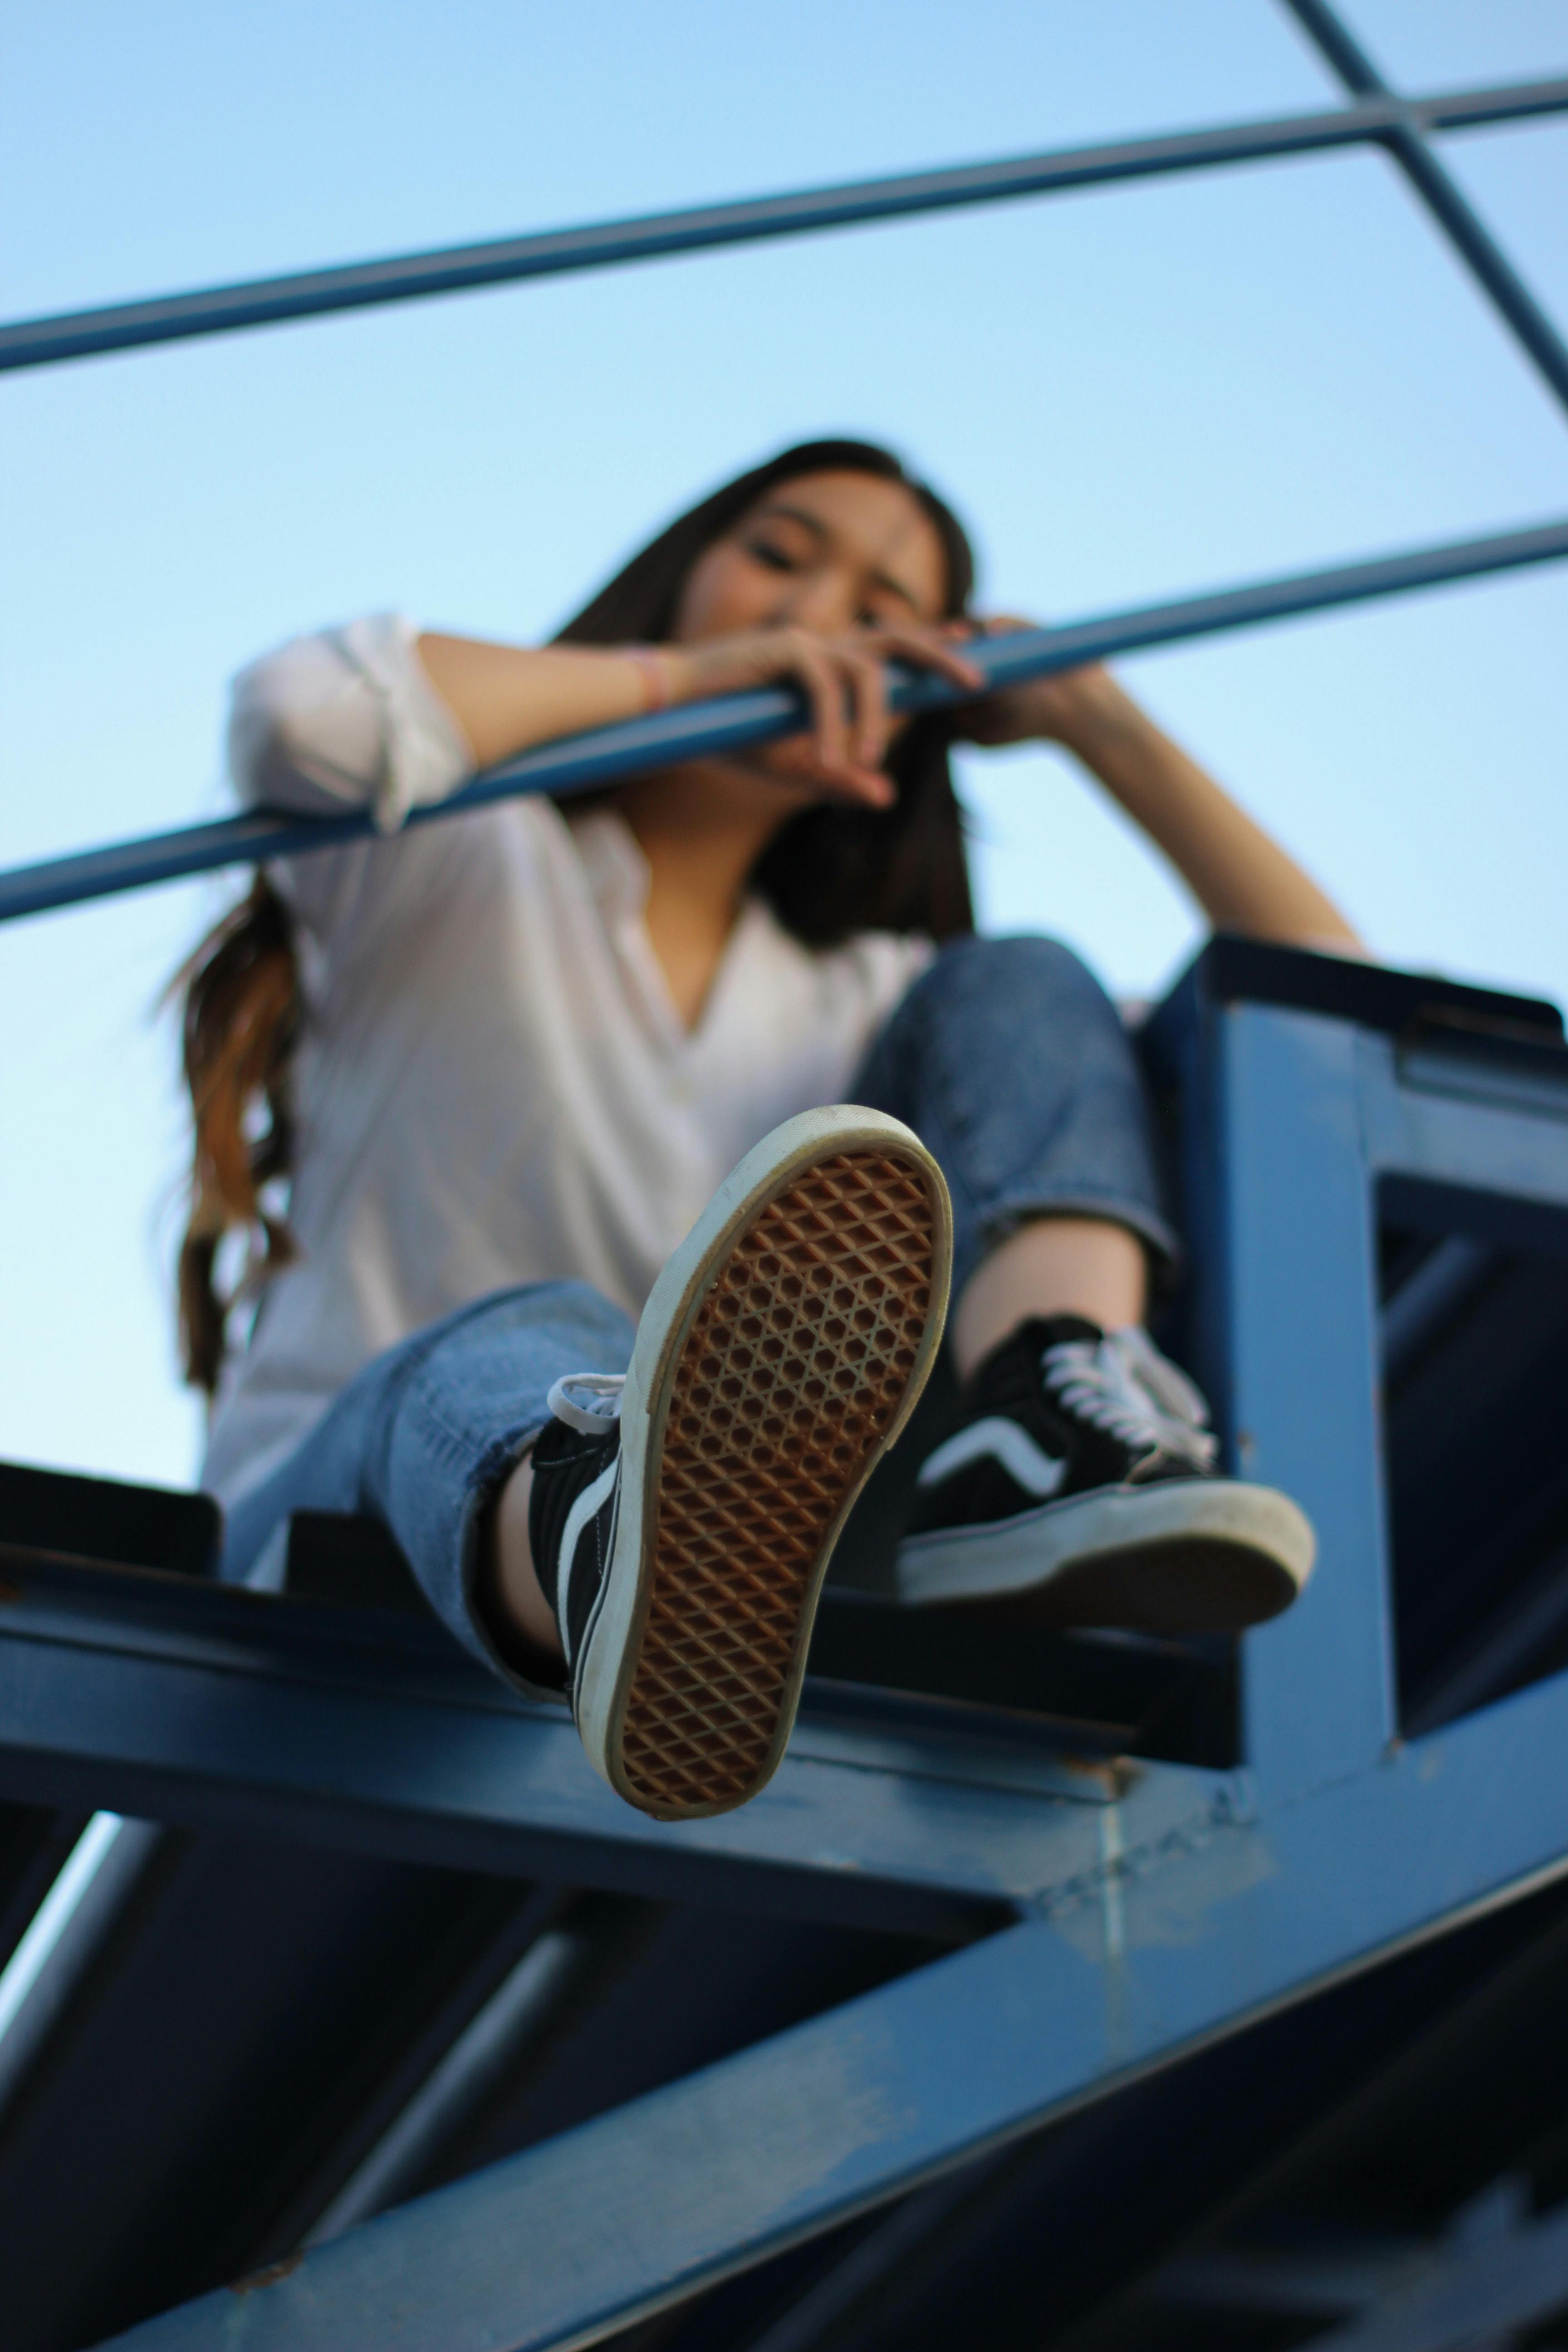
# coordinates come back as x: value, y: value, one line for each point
x: 651, y: 669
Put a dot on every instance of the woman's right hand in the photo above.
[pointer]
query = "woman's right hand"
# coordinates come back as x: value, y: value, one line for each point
x: 845, y: 681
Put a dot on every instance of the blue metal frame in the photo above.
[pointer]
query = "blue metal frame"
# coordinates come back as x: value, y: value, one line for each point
x: 1150, y: 1954
x: 164, y: 1698
x: 1157, y: 1907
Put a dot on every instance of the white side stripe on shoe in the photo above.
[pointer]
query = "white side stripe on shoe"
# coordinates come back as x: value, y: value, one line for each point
x: 583, y: 1512
x: 1038, y: 1473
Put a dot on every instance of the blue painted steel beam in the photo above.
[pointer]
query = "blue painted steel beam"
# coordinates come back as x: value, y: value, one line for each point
x: 176, y: 1699
x: 1300, y: 1347
x: 1405, y: 139
x: 586, y: 762
x: 1292, y: 1122
x: 1157, y: 1950
x: 402, y: 277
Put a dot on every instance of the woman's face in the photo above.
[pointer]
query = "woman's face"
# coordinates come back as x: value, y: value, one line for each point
x: 830, y: 552
x: 826, y: 552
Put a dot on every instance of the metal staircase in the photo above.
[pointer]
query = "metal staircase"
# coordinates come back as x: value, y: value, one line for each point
x: 1062, y: 1990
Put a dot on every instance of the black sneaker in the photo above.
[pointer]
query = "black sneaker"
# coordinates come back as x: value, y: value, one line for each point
x: 1081, y: 1486
x: 682, y: 1519
x: 571, y: 1507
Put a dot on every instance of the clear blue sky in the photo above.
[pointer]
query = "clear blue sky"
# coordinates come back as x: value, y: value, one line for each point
x: 1132, y: 392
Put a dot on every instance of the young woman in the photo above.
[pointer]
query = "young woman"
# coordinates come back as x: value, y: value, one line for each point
x: 614, y: 1404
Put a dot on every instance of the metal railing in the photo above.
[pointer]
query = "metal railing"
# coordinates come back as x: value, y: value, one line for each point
x: 581, y: 763
x: 1378, y: 116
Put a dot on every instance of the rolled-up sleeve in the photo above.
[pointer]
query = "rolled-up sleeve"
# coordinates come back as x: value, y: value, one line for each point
x: 346, y: 718
x: 341, y: 720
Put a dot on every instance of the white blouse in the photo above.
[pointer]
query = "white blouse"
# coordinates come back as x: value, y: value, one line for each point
x: 494, y: 1085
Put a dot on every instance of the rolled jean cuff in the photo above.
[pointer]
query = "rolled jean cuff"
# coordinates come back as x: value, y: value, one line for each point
x: 425, y: 1435
x: 1004, y: 1217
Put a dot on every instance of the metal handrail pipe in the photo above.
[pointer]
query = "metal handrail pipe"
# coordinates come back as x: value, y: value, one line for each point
x: 409, y: 276
x: 606, y: 755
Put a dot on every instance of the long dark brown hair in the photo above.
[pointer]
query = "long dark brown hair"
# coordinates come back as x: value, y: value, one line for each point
x: 830, y: 872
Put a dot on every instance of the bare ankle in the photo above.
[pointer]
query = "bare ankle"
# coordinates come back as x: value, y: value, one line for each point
x: 514, y: 1587
x: 1052, y: 1265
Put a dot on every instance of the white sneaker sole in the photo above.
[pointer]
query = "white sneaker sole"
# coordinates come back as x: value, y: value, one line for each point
x: 1187, y: 1556
x: 779, y: 1356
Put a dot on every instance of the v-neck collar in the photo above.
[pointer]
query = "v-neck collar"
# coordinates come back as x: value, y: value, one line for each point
x: 620, y: 878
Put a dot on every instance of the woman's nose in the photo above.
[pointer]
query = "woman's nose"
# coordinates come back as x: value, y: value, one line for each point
x: 821, y: 600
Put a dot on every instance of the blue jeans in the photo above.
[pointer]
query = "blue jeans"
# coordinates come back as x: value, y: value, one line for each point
x: 1006, y: 1059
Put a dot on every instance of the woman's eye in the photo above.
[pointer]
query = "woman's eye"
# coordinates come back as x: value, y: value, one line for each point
x: 777, y: 558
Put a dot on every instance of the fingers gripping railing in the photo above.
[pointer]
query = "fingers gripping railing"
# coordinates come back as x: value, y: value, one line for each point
x: 733, y: 722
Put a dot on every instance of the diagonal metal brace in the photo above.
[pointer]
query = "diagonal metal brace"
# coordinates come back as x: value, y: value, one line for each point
x: 1405, y: 137
x: 567, y: 2242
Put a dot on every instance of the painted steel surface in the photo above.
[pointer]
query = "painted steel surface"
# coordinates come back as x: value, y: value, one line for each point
x: 1157, y: 1907
x: 1154, y: 1951
x: 1301, y: 1356
x: 215, y: 1705
x: 586, y: 762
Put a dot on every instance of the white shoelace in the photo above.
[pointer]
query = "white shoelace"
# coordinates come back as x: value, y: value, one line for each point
x: 1122, y: 1384
x: 589, y: 1420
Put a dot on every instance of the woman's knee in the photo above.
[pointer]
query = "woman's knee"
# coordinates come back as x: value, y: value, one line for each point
x: 529, y: 1314
x: 1022, y: 977
x: 972, y: 1009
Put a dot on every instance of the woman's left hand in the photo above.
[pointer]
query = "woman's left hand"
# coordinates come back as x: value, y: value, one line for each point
x: 1069, y: 708
x: 1242, y: 879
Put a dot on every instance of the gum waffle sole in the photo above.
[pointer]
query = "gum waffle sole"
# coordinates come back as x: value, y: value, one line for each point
x: 795, y: 1370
